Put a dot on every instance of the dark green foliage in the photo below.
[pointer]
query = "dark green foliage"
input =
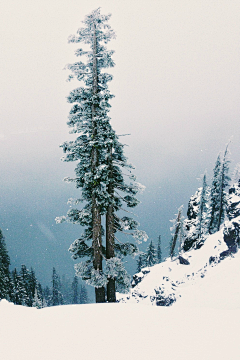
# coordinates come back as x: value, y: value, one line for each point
x: 83, y: 295
x: 5, y: 280
x: 218, y: 195
x: 150, y: 258
x: 215, y: 198
x: 140, y: 263
x: 159, y: 250
x: 20, y: 296
x: 56, y: 295
x: 75, y: 291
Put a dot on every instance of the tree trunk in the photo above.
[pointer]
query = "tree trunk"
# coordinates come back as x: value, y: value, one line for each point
x: 174, y: 240
x: 111, y: 287
x: 96, y: 217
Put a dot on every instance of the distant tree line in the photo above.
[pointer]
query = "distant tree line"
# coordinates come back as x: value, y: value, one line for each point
x: 22, y: 287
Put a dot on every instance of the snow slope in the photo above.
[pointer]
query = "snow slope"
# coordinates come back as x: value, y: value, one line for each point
x: 202, y: 283
x: 118, y: 331
x: 203, y: 323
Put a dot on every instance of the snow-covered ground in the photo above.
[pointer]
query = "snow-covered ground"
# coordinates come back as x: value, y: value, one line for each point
x: 202, y: 324
x: 118, y: 331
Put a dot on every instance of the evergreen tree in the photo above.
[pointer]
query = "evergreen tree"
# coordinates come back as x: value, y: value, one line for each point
x: 20, y: 296
x: 159, y: 250
x: 25, y: 280
x: 140, y: 263
x: 75, y: 291
x: 151, y: 255
x: 37, y: 302
x: 215, y: 198
x: 56, y: 296
x: 66, y: 290
x: 98, y: 172
x: 218, y: 195
x: 203, y: 208
x: 223, y: 183
x: 32, y: 286
x: 5, y: 279
x: 47, y: 296
x: 195, y: 226
x: 83, y: 295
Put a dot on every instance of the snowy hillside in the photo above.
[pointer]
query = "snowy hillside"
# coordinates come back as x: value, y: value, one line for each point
x: 202, y: 277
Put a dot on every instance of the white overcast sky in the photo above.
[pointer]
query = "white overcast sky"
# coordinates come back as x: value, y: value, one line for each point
x: 176, y: 82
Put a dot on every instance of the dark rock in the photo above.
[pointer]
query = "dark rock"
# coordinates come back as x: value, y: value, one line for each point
x: 162, y: 299
x: 183, y: 261
x: 224, y: 254
x: 137, y: 278
x: 213, y: 259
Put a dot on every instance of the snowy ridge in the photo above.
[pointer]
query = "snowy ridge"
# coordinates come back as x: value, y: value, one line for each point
x: 206, y: 281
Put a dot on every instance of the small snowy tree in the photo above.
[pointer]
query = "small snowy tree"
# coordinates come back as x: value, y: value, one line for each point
x: 150, y: 256
x: 56, y: 296
x: 20, y: 296
x: 37, y: 302
x: 140, y: 262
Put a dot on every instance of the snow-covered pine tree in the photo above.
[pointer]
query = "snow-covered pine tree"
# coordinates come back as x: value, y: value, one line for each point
x: 37, y: 301
x: 195, y: 226
x: 139, y: 263
x: 20, y: 296
x: 56, y: 298
x: 223, y: 184
x: 98, y: 172
x: 5, y: 279
x: 218, y: 194
x: 159, y: 250
x: 25, y: 278
x: 150, y: 256
x: 203, y: 208
x: 215, y: 198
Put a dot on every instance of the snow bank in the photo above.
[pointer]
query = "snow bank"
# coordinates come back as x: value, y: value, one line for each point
x: 117, y: 331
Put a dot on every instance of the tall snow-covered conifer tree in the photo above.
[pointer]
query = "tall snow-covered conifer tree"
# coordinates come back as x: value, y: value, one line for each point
x: 98, y: 173
x: 195, y: 226
x: 218, y: 195
x: 223, y: 183
x: 215, y: 198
